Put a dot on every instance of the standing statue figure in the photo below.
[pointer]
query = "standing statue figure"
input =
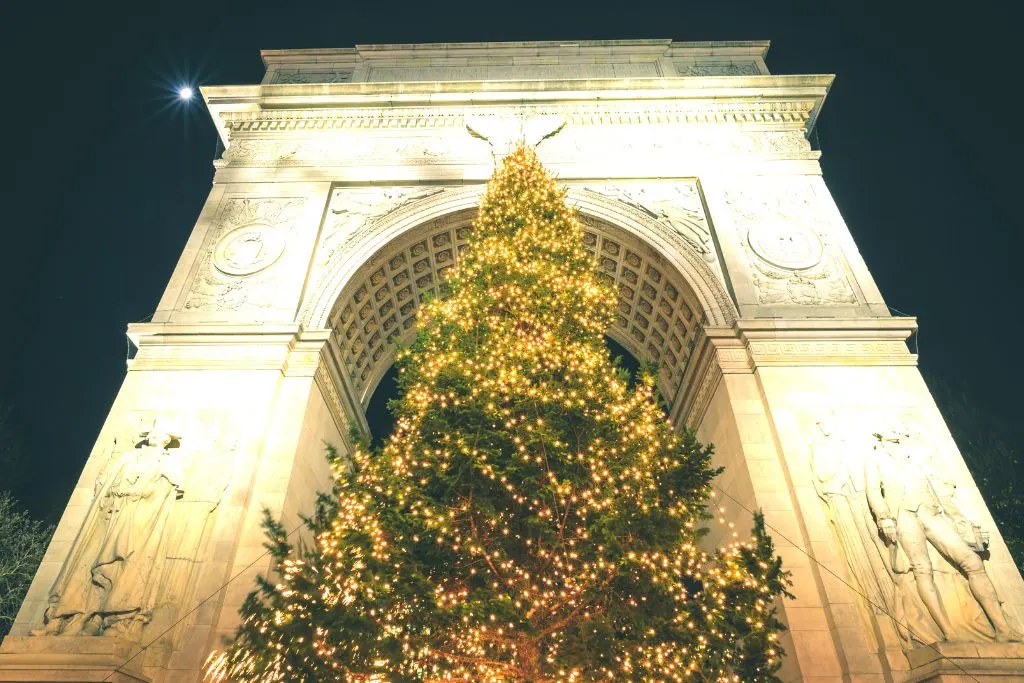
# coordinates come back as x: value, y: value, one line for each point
x: 837, y: 469
x: 912, y: 510
x: 837, y: 472
x: 109, y: 583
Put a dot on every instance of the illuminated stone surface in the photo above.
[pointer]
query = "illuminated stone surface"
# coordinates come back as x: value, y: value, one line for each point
x: 346, y: 191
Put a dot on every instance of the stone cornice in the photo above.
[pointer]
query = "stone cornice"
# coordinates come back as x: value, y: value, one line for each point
x: 865, y: 341
x: 654, y: 47
x: 752, y: 344
x: 282, y: 347
x: 758, y: 100
x: 146, y: 333
x: 463, y: 93
x: 894, y: 327
x: 819, y: 342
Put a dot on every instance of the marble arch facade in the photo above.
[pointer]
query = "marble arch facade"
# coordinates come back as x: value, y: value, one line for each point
x: 369, y: 299
x: 348, y: 181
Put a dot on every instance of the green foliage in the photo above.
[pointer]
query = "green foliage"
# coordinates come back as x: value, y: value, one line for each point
x: 23, y: 541
x: 992, y: 451
x: 532, y: 518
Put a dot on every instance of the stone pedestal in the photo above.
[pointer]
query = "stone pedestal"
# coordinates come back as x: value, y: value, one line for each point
x: 71, y: 659
x: 967, y: 663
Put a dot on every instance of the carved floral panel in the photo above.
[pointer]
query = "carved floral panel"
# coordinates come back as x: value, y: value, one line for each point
x: 785, y: 235
x: 241, y: 266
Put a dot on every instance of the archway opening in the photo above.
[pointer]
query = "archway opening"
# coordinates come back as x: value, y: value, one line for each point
x: 382, y: 422
x: 658, y: 320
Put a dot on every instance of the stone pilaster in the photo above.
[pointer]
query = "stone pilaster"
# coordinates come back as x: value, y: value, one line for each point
x: 764, y: 390
x: 250, y: 407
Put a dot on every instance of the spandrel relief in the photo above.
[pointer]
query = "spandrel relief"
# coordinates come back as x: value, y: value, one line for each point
x: 913, y: 554
x: 353, y: 215
x: 143, y: 536
x: 242, y: 264
x: 785, y: 236
x: 354, y: 212
x: 675, y: 206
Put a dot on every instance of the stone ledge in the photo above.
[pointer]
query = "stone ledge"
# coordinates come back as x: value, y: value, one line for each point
x: 171, y: 346
x: 854, y: 341
x: 69, y: 659
x: 955, y: 662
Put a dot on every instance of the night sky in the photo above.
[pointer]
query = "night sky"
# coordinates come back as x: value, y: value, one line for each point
x: 105, y: 174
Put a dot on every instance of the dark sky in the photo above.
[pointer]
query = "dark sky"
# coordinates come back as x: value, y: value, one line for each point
x: 105, y: 179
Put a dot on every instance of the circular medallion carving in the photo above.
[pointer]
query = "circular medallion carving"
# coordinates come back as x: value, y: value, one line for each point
x: 248, y: 250
x: 788, y: 246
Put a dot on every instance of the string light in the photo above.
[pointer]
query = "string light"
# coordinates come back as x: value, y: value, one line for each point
x: 532, y: 517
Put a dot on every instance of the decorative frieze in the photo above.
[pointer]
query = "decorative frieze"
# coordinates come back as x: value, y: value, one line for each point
x: 572, y: 145
x: 714, y: 111
x: 285, y: 76
x: 746, y: 68
x: 832, y: 352
x: 504, y: 72
x: 353, y: 149
x: 858, y: 342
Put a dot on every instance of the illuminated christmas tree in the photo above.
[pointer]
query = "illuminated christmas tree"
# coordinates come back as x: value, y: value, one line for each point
x: 532, y: 517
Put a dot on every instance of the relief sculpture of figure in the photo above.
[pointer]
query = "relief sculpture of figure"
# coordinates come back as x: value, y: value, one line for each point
x: 676, y: 205
x: 913, y: 510
x: 352, y: 210
x: 837, y: 468
x: 108, y: 585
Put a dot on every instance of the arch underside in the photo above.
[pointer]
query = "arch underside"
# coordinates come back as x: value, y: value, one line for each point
x: 657, y: 320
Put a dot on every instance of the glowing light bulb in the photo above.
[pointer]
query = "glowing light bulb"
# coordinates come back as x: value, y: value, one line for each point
x: 185, y: 93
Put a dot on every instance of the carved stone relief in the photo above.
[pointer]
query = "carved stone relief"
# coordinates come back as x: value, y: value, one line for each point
x: 676, y: 206
x: 504, y: 132
x: 348, y: 149
x: 282, y: 76
x: 786, y: 239
x: 248, y: 250
x: 578, y: 143
x: 240, y: 267
x: 914, y: 555
x: 510, y: 71
x: 717, y: 69
x: 145, y: 535
x: 790, y: 113
x: 354, y: 214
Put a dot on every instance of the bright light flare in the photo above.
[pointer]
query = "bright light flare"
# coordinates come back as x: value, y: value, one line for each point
x: 185, y: 93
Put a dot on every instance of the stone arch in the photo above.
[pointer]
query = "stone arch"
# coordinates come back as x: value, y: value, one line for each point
x: 370, y: 296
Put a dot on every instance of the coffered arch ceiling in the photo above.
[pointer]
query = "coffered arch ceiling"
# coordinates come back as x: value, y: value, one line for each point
x: 658, y: 315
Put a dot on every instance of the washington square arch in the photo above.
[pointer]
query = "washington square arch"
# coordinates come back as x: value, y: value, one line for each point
x: 346, y: 190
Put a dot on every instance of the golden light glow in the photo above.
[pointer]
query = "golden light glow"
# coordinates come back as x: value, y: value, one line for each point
x: 532, y: 517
